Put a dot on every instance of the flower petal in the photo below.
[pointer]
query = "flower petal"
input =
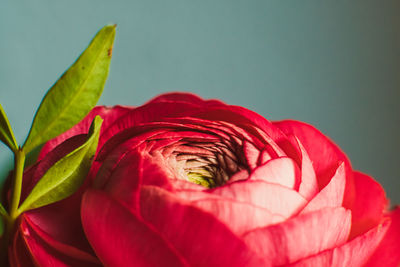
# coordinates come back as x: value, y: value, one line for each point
x: 308, y: 186
x: 18, y: 253
x: 388, y: 250
x: 282, y: 171
x: 353, y: 253
x: 45, y: 255
x: 60, y: 230
x: 301, y: 236
x: 324, y: 154
x: 331, y: 195
x: 275, y: 198
x: 121, y: 238
x: 227, y: 211
x: 369, y: 204
x: 184, y: 97
x: 186, y: 226
x: 251, y: 153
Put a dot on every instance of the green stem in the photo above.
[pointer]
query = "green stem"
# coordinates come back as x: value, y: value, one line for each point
x: 19, y: 161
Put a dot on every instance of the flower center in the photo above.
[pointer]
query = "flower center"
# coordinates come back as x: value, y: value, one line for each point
x: 207, y: 164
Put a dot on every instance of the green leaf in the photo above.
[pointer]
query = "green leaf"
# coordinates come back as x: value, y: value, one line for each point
x: 6, y: 133
x: 75, y: 93
x: 66, y: 175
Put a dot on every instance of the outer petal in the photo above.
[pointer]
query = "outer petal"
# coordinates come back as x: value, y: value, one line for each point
x: 43, y: 254
x: 152, y: 112
x: 184, y: 97
x: 186, y: 227
x: 122, y: 239
x: 369, y: 204
x: 353, y: 253
x: 18, y: 253
x: 301, y: 236
x: 388, y: 251
x: 60, y: 231
x: 324, y: 154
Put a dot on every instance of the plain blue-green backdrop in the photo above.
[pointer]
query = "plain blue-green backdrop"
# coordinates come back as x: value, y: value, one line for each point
x: 332, y: 64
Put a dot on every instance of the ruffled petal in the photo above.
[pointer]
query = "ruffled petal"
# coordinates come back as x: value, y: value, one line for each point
x: 353, y: 253
x: 301, y: 236
x: 324, y: 154
x: 331, y: 195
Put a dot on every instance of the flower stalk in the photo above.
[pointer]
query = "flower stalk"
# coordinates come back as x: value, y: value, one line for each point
x: 19, y: 162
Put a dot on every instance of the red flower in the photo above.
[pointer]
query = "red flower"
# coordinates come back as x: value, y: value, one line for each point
x: 181, y: 181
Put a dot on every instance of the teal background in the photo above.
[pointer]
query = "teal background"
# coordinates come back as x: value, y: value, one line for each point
x: 334, y: 65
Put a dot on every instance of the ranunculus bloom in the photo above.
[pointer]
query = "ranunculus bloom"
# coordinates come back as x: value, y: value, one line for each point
x: 181, y: 181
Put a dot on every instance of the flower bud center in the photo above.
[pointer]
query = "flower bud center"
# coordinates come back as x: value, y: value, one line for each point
x: 208, y: 164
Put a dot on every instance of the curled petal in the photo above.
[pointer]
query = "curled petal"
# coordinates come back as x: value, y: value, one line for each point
x: 282, y: 171
x: 308, y: 185
x: 251, y: 153
x: 331, y: 195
